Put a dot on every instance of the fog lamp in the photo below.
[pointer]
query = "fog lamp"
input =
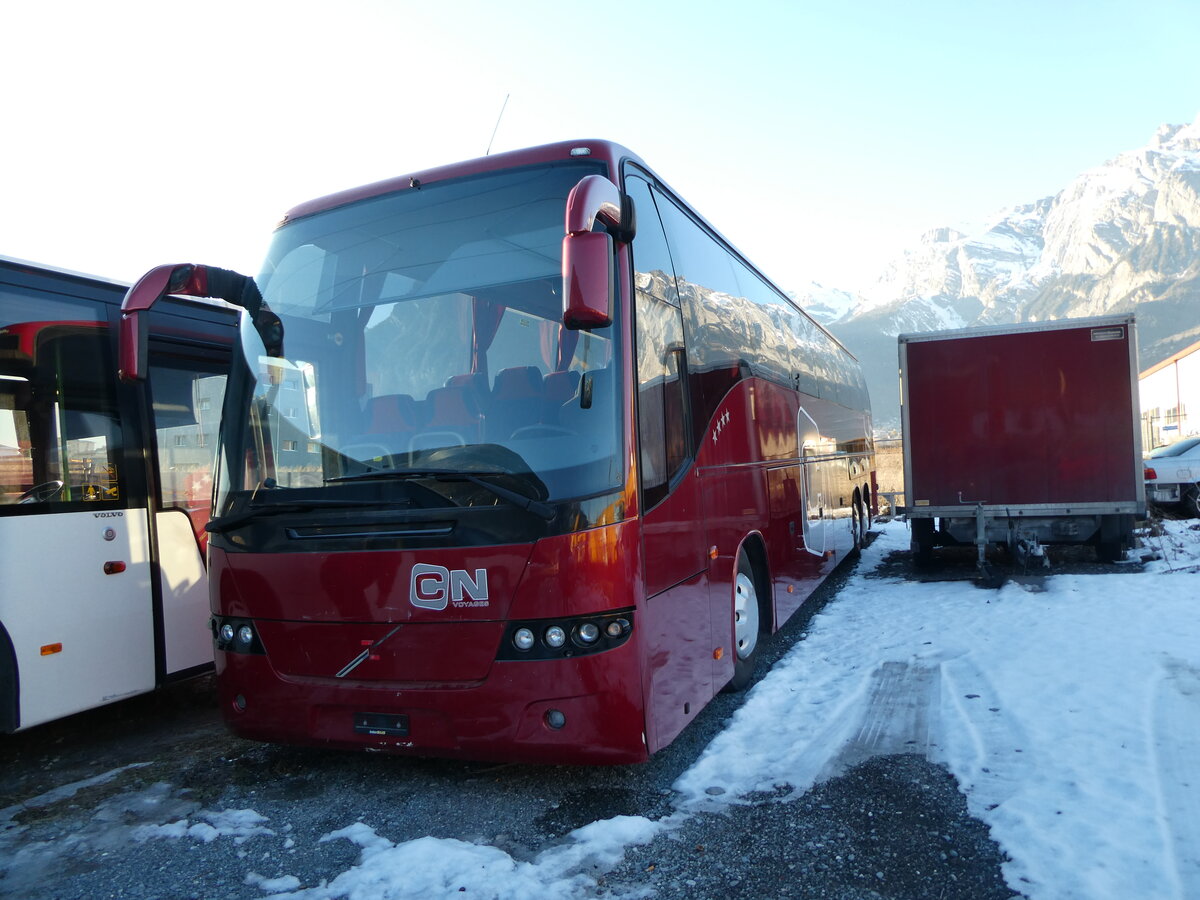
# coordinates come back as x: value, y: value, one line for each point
x: 227, y: 632
x: 588, y: 633
x: 245, y: 635
x: 555, y: 636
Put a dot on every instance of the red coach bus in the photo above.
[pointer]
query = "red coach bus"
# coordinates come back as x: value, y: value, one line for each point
x: 521, y: 460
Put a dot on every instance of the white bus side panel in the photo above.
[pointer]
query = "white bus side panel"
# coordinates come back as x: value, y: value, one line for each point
x: 56, y: 592
x: 185, y: 593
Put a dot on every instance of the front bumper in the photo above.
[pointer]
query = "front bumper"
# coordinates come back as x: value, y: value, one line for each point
x: 1163, y: 493
x: 585, y: 710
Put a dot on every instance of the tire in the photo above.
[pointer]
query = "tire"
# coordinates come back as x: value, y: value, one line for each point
x: 1191, y: 501
x: 747, y: 625
x: 1110, y: 542
x: 922, y: 542
x: 10, y: 710
x: 859, y: 524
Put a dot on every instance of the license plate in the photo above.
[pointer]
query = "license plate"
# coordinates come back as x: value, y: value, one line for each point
x: 381, y: 724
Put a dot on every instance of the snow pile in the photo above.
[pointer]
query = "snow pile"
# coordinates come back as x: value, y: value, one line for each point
x: 240, y: 824
x: 432, y: 867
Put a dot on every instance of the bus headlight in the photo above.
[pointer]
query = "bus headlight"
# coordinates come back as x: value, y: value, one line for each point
x: 236, y: 636
x: 565, y: 638
x: 523, y: 639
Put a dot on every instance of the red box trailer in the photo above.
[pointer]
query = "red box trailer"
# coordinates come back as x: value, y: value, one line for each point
x: 1023, y: 435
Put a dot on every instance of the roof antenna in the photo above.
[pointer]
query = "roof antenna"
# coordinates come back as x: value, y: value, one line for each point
x: 498, y: 118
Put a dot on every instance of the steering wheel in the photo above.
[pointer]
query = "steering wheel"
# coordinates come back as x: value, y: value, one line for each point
x: 40, y: 493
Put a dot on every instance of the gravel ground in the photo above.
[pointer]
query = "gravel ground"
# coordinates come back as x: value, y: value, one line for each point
x: 893, y: 827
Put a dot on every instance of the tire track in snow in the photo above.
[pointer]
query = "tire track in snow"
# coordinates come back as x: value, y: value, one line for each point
x: 993, y: 753
x: 900, y: 716
x: 1176, y: 742
x: 924, y: 706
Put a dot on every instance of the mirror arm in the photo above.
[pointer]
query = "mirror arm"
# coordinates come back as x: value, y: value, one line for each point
x: 193, y: 281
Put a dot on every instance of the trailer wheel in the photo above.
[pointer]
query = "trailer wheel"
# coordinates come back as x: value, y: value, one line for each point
x: 747, y: 624
x: 922, y: 542
x: 1110, y: 542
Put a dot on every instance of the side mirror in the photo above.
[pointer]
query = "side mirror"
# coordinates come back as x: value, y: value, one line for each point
x: 589, y: 280
x: 588, y: 266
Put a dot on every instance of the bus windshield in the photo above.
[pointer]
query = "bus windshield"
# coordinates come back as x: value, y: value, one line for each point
x: 423, y: 340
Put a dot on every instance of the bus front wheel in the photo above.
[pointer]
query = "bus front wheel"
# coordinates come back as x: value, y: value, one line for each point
x: 747, y: 624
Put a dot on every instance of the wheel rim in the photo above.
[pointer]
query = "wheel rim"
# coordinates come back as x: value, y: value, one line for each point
x: 745, y: 615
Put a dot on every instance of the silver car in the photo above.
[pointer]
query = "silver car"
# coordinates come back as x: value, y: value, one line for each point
x: 1172, y: 472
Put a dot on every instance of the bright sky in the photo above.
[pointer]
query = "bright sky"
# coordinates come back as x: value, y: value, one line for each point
x: 819, y: 137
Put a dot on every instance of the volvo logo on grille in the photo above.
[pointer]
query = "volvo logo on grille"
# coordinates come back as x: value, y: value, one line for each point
x: 436, y: 587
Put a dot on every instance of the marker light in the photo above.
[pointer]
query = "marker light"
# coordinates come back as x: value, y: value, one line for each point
x: 523, y: 639
x: 555, y: 636
x: 617, y: 627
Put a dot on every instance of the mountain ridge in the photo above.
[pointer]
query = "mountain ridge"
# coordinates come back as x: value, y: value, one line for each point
x: 1123, y: 236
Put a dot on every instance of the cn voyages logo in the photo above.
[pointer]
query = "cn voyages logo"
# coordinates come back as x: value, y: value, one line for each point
x: 436, y: 587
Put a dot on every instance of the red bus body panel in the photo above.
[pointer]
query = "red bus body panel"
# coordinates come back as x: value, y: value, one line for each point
x: 315, y: 612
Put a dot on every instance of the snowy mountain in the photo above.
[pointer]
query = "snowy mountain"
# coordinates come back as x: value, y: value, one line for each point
x: 1123, y: 236
x: 825, y: 304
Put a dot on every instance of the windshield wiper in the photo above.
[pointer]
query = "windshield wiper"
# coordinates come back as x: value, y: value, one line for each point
x: 253, y: 511
x: 409, y: 473
x: 522, y: 501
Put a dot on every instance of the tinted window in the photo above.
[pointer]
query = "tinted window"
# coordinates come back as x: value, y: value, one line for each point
x: 662, y: 425
x: 60, y: 432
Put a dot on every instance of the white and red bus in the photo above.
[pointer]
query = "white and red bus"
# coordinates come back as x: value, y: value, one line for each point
x: 104, y: 493
x: 521, y: 460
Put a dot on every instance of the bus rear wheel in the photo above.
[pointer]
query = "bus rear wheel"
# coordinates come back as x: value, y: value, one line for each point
x: 859, y: 522
x: 747, y: 624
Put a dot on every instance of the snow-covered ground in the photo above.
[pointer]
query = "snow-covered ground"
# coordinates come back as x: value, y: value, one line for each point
x: 1069, y: 714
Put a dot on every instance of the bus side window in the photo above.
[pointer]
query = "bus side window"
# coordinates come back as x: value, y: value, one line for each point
x: 662, y: 420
